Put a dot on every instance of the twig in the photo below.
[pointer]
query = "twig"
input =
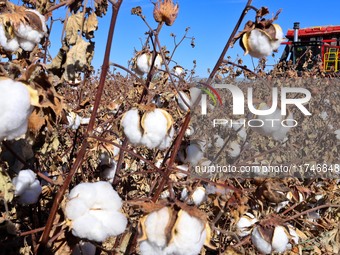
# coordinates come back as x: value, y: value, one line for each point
x: 311, y: 210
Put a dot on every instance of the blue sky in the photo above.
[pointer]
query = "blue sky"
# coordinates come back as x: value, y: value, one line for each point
x: 211, y: 23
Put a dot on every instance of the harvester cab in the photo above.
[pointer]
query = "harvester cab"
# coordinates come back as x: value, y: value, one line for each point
x: 308, y: 46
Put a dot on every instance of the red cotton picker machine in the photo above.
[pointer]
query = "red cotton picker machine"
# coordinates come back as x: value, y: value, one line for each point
x: 323, y: 42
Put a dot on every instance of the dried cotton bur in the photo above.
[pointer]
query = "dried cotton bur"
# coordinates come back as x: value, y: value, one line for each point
x: 167, y: 231
x: 21, y: 28
x: 260, y: 38
x: 93, y: 211
x: 142, y: 62
x: 16, y: 100
x: 165, y: 11
x: 148, y: 126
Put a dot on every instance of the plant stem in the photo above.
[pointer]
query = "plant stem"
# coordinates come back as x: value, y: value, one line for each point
x: 80, y: 157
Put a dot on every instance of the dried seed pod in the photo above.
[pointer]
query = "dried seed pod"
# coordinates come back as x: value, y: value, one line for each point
x: 245, y: 224
x: 165, y: 11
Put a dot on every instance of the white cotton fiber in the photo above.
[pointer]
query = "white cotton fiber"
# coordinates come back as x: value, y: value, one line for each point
x: 155, y: 128
x: 15, y: 109
x: 131, y: 126
x: 146, y: 248
x: 189, y: 237
x: 155, y: 225
x: 26, y: 44
x: 94, y: 210
x: 167, y: 140
x: 8, y: 43
x: 27, y: 187
x: 259, y: 44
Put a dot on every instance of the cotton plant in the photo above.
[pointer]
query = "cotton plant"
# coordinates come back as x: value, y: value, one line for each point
x: 21, y: 28
x: 93, y: 211
x: 16, y: 100
x: 271, y: 125
x: 27, y: 187
x: 186, y: 236
x: 153, y: 130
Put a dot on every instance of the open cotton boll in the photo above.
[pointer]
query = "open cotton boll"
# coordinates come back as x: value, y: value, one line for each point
x: 234, y: 149
x: 337, y: 134
x: 259, y: 44
x: 155, y: 225
x: 181, y: 98
x: 259, y: 242
x: 197, y: 197
x: 94, y: 211
x: 155, y: 128
x: 280, y: 239
x: 144, y: 61
x: 188, y: 235
x: 191, y: 154
x: 245, y: 224
x: 131, y: 126
x: 7, y: 43
x: 26, y: 44
x: 15, y: 108
x: 27, y: 187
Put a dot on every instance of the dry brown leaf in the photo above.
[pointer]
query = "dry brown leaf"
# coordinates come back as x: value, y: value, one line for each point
x: 91, y: 25
x: 101, y: 7
x: 73, y: 26
x: 78, y: 58
x: 6, y: 186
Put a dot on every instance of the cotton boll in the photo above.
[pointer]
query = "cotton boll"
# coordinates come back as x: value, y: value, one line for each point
x: 84, y: 248
x: 192, y: 154
x: 131, y: 126
x: 178, y: 70
x: 188, y: 235
x: 218, y: 141
x: 26, y: 44
x: 181, y: 99
x: 144, y: 61
x: 76, y: 208
x: 42, y: 19
x: 245, y: 224
x: 280, y: 239
x: 94, y: 211
x: 15, y: 108
x: 155, y: 225
x: 234, y: 149
x: 197, y: 197
x: 259, y: 242
x: 10, y: 45
x: 155, y: 125
x: 259, y: 44
x: 27, y: 187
